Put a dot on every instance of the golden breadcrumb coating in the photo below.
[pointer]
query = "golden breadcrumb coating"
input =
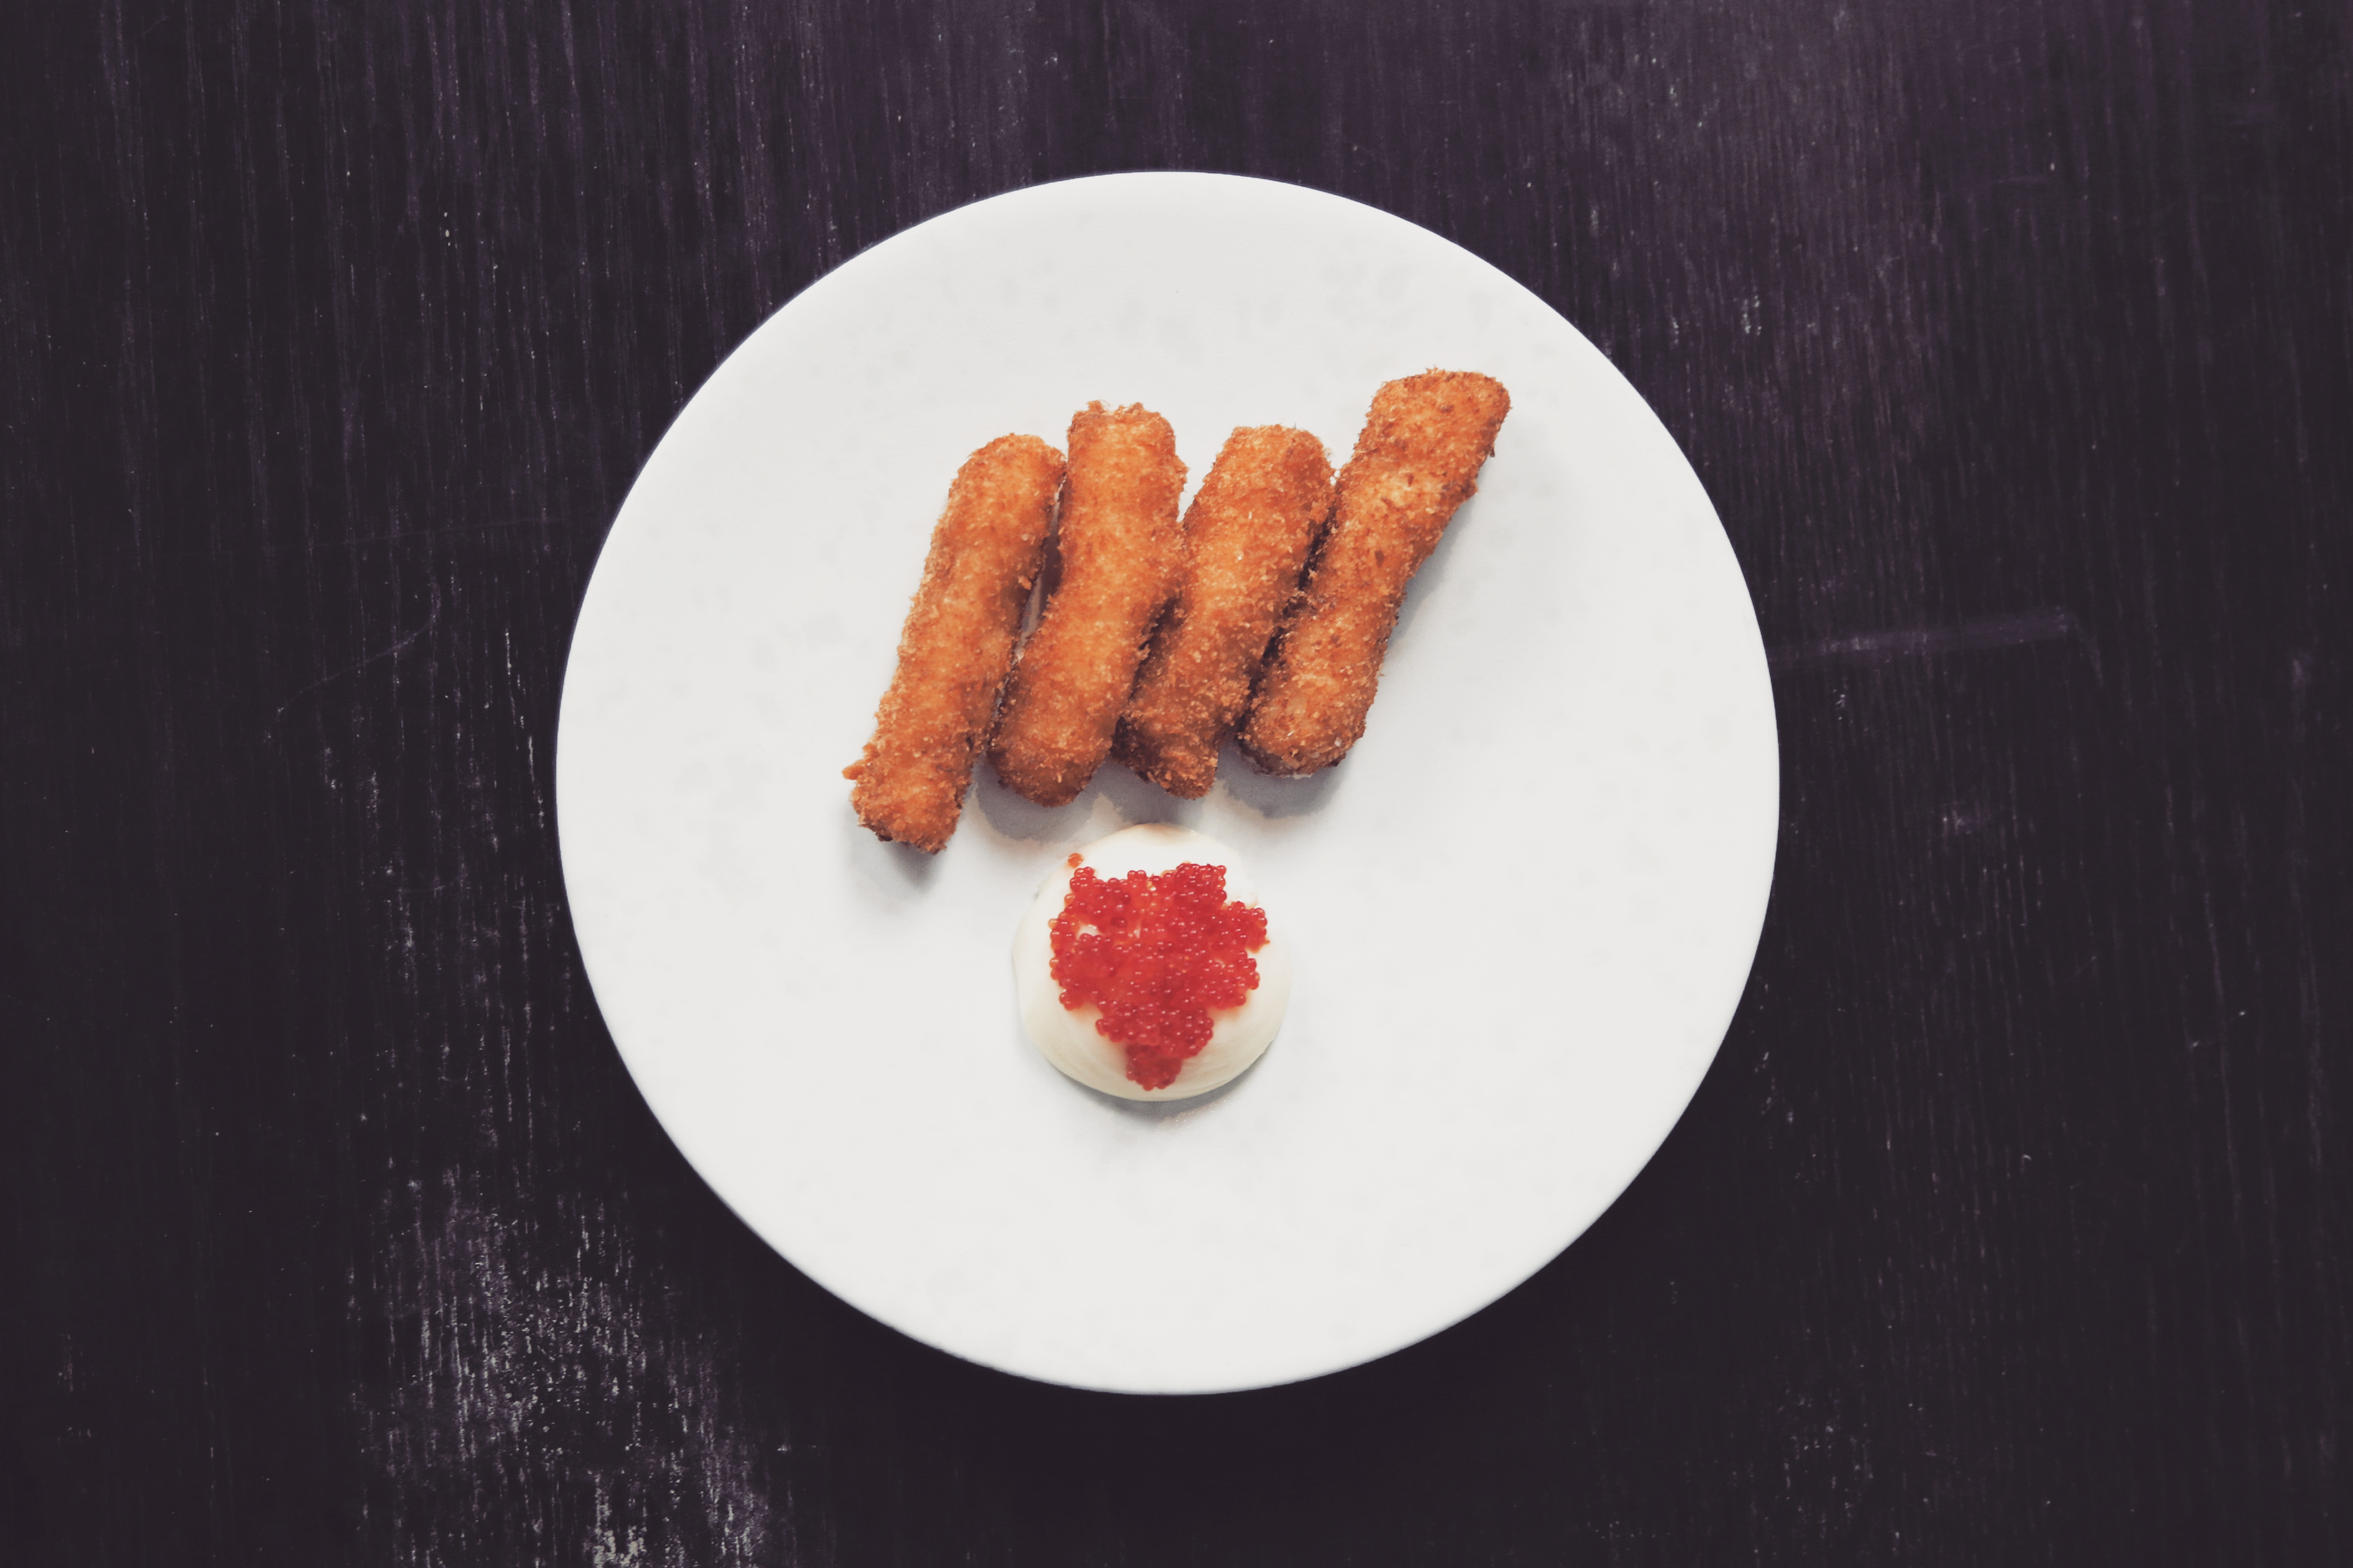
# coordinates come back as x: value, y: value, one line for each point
x: 1416, y: 460
x: 1119, y: 554
x: 957, y: 643
x: 1247, y: 536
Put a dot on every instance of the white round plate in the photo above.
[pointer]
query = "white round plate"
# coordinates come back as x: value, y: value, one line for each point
x: 1520, y: 913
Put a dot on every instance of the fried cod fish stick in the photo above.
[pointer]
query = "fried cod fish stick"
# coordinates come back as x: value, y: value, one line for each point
x: 1246, y: 535
x: 1120, y: 556
x: 1416, y: 462
x: 957, y: 643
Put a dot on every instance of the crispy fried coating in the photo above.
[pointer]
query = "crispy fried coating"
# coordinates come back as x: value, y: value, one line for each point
x: 1247, y: 536
x: 1416, y: 462
x: 957, y: 643
x: 1120, y: 553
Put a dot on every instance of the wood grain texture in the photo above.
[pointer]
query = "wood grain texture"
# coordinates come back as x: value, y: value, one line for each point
x: 2014, y: 344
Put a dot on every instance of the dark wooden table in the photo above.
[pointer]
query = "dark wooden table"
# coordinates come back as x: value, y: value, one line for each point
x: 2015, y: 344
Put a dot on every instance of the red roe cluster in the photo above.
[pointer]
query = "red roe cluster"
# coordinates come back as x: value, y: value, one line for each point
x: 1156, y: 954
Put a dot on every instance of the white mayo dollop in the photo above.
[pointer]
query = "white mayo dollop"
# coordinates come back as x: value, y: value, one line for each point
x: 1067, y: 1037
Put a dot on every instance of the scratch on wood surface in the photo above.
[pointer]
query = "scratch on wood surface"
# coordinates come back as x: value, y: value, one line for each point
x: 2020, y: 629
x: 527, y: 1378
x: 392, y: 650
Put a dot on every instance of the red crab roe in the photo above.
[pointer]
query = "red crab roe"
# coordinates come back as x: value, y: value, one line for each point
x: 1156, y: 954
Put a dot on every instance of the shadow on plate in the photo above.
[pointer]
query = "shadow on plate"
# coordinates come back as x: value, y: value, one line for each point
x: 900, y: 869
x: 1137, y: 800
x: 1164, y: 1111
x: 1271, y: 796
